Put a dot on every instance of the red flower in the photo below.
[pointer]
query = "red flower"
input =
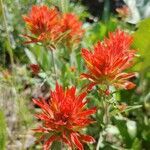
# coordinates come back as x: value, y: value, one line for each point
x: 35, y: 68
x: 43, y: 24
x: 106, y: 64
x: 71, y: 24
x: 63, y: 117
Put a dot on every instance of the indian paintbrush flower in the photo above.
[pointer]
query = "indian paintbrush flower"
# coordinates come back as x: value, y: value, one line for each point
x: 48, y: 26
x: 64, y: 115
x: 109, y: 60
x: 43, y: 23
x: 70, y: 23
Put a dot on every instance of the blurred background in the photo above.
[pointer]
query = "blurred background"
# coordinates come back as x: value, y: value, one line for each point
x: 129, y: 130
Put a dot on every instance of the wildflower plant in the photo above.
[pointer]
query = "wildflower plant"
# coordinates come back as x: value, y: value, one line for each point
x: 65, y: 114
x: 43, y: 23
x: 78, y: 76
x: 54, y: 30
x: 49, y: 26
x: 106, y: 64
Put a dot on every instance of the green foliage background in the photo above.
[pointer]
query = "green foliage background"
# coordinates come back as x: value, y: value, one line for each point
x: 129, y: 130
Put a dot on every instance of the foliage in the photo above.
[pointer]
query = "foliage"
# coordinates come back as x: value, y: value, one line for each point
x: 143, y: 43
x: 128, y: 125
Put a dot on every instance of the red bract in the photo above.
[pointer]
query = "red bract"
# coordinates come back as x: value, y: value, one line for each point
x: 63, y: 117
x: 43, y: 24
x: 107, y: 62
x: 35, y: 68
x: 71, y: 24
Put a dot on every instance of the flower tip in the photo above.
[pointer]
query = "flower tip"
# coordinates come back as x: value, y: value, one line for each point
x: 136, y: 74
x: 35, y: 68
x: 81, y: 76
x: 130, y: 86
x: 34, y: 100
x: 92, y: 141
x: 107, y: 92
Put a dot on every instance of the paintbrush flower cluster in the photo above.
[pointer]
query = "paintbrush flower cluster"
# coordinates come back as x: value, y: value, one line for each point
x: 48, y: 26
x: 65, y: 113
x: 107, y: 62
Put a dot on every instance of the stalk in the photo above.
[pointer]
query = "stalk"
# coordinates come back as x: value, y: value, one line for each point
x: 9, y: 48
x: 106, y: 113
x: 106, y: 11
x: 53, y: 63
x: 106, y: 119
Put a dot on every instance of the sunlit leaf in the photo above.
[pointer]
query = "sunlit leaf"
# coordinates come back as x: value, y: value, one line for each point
x: 142, y: 41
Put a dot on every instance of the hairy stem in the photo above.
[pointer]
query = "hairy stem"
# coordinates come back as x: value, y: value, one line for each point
x: 99, y: 141
x: 106, y: 119
x: 54, y: 67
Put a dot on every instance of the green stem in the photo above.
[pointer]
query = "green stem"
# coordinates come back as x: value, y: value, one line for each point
x: 106, y: 11
x: 105, y: 105
x: 99, y: 141
x: 9, y: 48
x: 54, y: 67
x: 106, y: 120
x: 106, y: 113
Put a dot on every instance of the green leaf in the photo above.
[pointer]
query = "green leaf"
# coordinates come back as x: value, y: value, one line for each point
x: 121, y: 124
x: 142, y: 41
x: 43, y: 75
x: 0, y: 9
x: 45, y: 60
x: 42, y: 56
x: 31, y: 56
x: 136, y: 145
x: 2, y: 131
